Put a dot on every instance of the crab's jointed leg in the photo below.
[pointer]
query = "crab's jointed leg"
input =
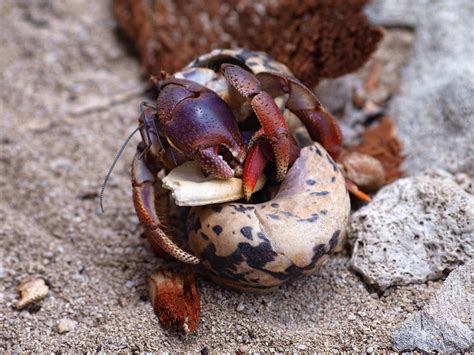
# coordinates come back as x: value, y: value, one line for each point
x: 175, y: 299
x: 321, y: 125
x: 144, y: 184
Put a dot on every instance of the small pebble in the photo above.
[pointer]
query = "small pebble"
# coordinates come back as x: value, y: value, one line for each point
x: 240, y: 307
x: 66, y: 325
x: 243, y: 349
x: 129, y: 284
x: 31, y: 291
x: 370, y: 349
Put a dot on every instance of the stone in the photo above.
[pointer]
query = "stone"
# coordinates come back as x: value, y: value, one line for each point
x: 66, y: 325
x: 435, y: 103
x: 31, y: 292
x: 446, y: 323
x: 415, y: 230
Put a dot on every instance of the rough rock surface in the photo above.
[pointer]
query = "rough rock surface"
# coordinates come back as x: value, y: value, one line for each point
x: 446, y: 323
x: 435, y: 108
x: 415, y: 229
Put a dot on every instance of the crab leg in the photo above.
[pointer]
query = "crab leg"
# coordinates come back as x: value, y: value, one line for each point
x: 268, y: 113
x: 143, y: 186
x: 175, y: 299
x: 321, y: 125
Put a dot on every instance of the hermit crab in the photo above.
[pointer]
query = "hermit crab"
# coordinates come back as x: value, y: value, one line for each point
x: 221, y: 184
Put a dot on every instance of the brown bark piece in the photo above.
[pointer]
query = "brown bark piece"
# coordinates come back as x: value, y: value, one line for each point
x: 315, y: 38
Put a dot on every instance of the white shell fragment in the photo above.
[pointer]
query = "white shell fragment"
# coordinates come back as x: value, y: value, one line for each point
x: 31, y: 291
x: 189, y: 186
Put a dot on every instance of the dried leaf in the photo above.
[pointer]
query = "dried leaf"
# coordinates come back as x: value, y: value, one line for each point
x: 381, y: 143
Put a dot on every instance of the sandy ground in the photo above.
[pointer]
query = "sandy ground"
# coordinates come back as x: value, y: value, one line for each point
x: 69, y: 96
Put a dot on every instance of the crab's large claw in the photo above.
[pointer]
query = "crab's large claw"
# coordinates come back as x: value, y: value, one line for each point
x: 151, y: 215
x: 268, y: 113
x: 321, y: 125
x: 197, y: 123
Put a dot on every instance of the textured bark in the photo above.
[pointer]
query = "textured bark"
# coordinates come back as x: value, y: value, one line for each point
x: 316, y: 38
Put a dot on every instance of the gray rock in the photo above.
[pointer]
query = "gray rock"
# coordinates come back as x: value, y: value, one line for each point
x: 414, y: 230
x: 434, y: 110
x: 446, y: 323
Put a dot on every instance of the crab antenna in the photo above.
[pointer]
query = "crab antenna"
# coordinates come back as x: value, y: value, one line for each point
x: 146, y: 123
x: 117, y: 156
x: 153, y: 122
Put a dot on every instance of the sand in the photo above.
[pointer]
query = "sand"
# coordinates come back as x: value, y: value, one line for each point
x: 69, y: 97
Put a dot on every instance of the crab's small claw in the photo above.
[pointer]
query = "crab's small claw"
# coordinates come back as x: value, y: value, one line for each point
x: 259, y: 154
x: 214, y: 164
x: 253, y: 168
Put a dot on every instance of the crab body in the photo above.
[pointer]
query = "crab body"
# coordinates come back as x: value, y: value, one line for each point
x: 202, y: 114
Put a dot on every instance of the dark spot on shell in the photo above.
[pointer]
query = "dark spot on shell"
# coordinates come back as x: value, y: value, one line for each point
x: 318, y: 251
x: 242, y: 208
x: 273, y: 216
x: 247, y: 232
x: 189, y: 73
x: 255, y: 256
x: 334, y: 166
x: 275, y: 205
x: 333, y: 179
x: 311, y: 182
x: 262, y: 236
x: 334, y: 240
x: 204, y: 236
x: 324, y: 212
x: 252, y: 63
x: 320, y: 193
x: 217, y: 229
x: 318, y: 152
x: 245, y: 54
x: 193, y: 223
x: 217, y: 209
x: 287, y: 214
x: 268, y: 63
